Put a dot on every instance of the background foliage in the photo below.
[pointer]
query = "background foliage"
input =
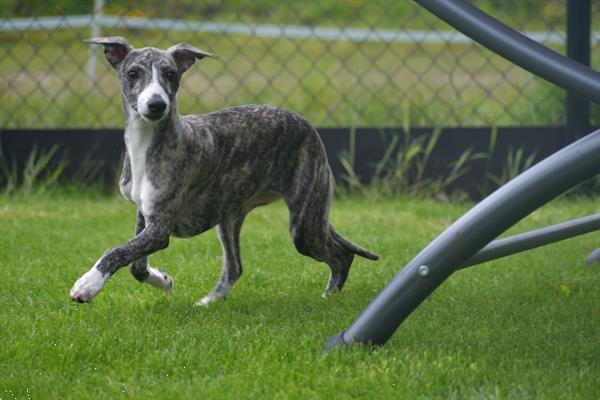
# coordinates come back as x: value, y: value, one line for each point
x: 333, y: 82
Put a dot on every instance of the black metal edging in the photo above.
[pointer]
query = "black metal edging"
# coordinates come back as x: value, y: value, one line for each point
x: 104, y: 149
x: 503, y: 208
x: 96, y: 150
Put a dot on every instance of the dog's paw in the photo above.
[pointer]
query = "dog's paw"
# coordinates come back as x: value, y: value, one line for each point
x: 209, y: 298
x: 159, y: 279
x: 88, y: 286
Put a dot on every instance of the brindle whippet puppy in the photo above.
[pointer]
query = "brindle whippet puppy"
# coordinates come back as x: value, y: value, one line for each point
x: 187, y: 174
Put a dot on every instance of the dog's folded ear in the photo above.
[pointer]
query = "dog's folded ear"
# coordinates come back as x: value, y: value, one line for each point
x: 115, y: 48
x: 185, y: 55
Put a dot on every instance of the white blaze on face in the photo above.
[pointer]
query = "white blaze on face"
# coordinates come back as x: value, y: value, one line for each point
x: 152, y: 90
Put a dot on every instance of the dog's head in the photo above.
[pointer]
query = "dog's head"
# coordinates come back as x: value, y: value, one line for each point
x: 149, y: 77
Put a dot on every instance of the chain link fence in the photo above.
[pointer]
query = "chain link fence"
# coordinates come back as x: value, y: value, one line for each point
x: 337, y: 62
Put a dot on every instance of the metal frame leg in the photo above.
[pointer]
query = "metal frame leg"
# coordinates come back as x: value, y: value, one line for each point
x: 594, y: 256
x: 532, y: 239
x: 463, y: 239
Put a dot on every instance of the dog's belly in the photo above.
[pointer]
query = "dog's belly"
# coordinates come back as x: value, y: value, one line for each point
x: 187, y: 230
x: 261, y: 199
x: 193, y: 222
x: 199, y: 219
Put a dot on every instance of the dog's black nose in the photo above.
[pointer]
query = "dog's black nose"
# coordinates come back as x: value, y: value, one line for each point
x: 157, y: 106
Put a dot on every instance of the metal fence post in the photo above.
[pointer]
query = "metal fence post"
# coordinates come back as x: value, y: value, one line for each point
x: 578, y: 49
x: 92, y: 51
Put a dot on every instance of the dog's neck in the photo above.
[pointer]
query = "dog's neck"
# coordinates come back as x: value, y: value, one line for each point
x: 142, y: 137
x: 138, y: 126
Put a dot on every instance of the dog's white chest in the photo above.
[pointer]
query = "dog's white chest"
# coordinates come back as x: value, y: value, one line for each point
x: 138, y: 137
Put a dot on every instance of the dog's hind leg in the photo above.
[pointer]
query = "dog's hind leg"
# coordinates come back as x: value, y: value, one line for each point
x: 309, y: 226
x: 144, y: 272
x: 310, y: 229
x: 314, y: 239
x: 229, y: 236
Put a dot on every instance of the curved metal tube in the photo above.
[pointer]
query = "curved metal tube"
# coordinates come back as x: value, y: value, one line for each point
x: 529, y: 240
x: 516, y: 47
x: 464, y: 238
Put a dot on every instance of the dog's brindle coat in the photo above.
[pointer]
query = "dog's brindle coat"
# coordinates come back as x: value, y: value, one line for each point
x: 187, y: 174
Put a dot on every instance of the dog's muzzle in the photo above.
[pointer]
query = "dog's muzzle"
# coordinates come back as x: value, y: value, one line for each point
x: 156, y: 108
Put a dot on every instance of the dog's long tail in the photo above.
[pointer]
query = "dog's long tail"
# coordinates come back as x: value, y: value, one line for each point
x: 352, y: 247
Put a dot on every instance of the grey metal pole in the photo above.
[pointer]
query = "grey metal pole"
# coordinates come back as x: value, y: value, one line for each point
x: 95, y: 32
x: 578, y: 48
x: 594, y: 256
x: 532, y: 239
x: 516, y: 47
x: 484, y: 222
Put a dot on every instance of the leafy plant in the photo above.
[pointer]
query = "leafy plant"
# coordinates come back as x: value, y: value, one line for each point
x: 516, y: 163
x: 348, y: 159
x: 39, y: 173
x: 402, y: 168
x: 485, y: 187
x: 8, y: 173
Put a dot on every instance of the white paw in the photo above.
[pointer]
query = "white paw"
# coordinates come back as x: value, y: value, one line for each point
x: 88, y: 286
x: 159, y: 279
x: 209, y: 298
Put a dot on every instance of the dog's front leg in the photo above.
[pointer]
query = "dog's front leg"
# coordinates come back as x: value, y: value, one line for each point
x: 229, y: 236
x: 142, y: 271
x: 154, y: 236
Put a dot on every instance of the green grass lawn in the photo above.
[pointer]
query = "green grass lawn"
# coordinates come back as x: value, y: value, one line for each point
x: 521, y: 327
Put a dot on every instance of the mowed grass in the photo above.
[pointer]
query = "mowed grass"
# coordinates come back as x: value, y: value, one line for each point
x: 520, y: 327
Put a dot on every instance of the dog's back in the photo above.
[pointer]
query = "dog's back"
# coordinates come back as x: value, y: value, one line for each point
x: 238, y: 154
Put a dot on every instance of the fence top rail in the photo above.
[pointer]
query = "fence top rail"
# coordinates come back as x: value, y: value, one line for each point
x: 261, y: 30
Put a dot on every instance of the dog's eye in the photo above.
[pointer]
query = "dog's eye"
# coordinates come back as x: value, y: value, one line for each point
x: 171, y: 75
x: 132, y: 74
